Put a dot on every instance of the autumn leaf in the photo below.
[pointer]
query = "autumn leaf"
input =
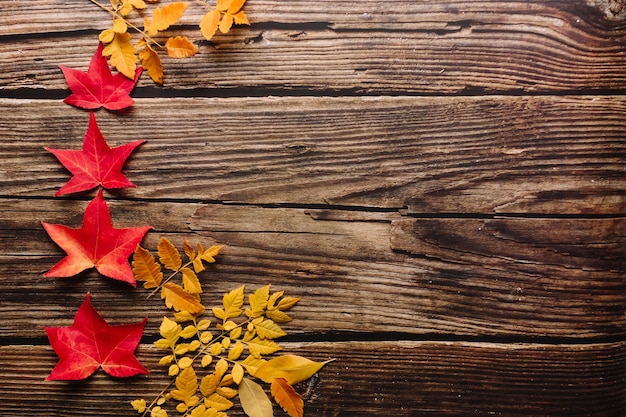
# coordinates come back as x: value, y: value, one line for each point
x: 96, y: 163
x: 122, y: 54
x: 164, y: 17
x: 254, y: 400
x: 292, y: 368
x: 168, y: 254
x: 146, y: 269
x: 90, y: 343
x: 180, y: 47
x: 151, y: 62
x: 287, y: 397
x: 98, y: 87
x: 186, y: 387
x: 95, y: 244
x: 180, y: 300
x: 209, y: 24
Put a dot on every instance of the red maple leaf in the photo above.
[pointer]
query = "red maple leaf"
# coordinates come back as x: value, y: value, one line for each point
x: 98, y: 87
x: 90, y: 343
x: 95, y: 244
x: 96, y: 163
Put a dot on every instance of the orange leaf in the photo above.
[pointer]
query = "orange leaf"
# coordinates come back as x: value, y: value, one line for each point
x: 151, y: 62
x: 164, y: 17
x: 287, y: 397
x: 209, y: 24
x: 241, y: 18
x: 180, y: 300
x: 235, y: 6
x: 226, y: 23
x: 122, y: 54
x: 180, y: 47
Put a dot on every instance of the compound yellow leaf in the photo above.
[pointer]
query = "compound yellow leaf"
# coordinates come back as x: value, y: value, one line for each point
x: 122, y: 54
x: 168, y: 254
x: 180, y: 47
x: 209, y: 24
x: 287, y: 397
x: 180, y: 300
x: 146, y: 268
x: 151, y: 62
x: 164, y: 17
x: 293, y: 368
x: 254, y: 400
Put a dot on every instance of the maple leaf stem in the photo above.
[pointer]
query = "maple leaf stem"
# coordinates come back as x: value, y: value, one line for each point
x: 118, y: 16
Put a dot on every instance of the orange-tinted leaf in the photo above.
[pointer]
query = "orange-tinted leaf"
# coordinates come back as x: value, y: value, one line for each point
x: 90, y: 343
x: 168, y: 254
x: 146, y: 268
x: 180, y: 47
x: 235, y: 6
x: 241, y: 18
x: 164, y: 17
x: 293, y: 368
x: 287, y: 397
x: 191, y: 283
x: 95, y: 244
x: 151, y: 62
x: 209, y: 24
x: 226, y: 23
x: 122, y: 54
x: 180, y: 300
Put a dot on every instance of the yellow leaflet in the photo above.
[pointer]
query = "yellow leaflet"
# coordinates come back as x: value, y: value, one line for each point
x: 226, y: 392
x: 158, y: 412
x: 293, y: 368
x: 209, y: 384
x: 121, y: 54
x: 267, y: 329
x: 191, y: 283
x: 233, y: 301
x: 206, y: 361
x: 218, y: 402
x: 189, y: 250
x: 168, y: 254
x: 241, y: 18
x: 185, y: 362
x: 183, y: 316
x: 209, y: 24
x: 287, y: 397
x: 221, y: 367
x: 146, y: 268
x: 119, y: 26
x: 151, y: 62
x: 237, y: 373
x: 106, y: 35
x: 164, y: 17
x: 139, y: 405
x: 236, y: 351
x: 180, y: 300
x: 278, y: 316
x: 287, y: 302
x: 252, y: 364
x: 226, y: 23
x: 180, y: 47
x: 209, y: 254
x: 258, y: 347
x: 188, y: 332
x: 186, y: 387
x: 169, y: 329
x: 235, y: 6
x: 253, y: 399
x: 258, y: 301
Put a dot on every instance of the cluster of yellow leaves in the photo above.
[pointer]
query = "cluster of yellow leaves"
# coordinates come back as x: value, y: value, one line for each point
x: 123, y: 54
x: 185, y: 297
x: 232, y: 358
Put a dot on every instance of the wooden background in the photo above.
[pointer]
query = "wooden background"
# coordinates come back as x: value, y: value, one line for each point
x: 442, y: 182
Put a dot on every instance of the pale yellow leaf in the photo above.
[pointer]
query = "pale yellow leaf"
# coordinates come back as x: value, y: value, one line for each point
x: 191, y: 283
x: 254, y: 400
x: 151, y: 62
x: 122, y: 54
x: 267, y: 329
x: 180, y: 47
x: 226, y: 23
x: 237, y: 373
x: 168, y: 254
x: 236, y: 351
x: 233, y: 301
x: 209, y: 24
x: 287, y: 397
x: 146, y: 268
x: 218, y: 402
x: 286, y: 303
x: 219, y: 313
x: 258, y: 301
x: 180, y: 300
x: 293, y: 368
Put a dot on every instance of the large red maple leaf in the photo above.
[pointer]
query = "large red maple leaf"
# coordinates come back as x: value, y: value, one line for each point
x: 90, y: 343
x: 98, y: 87
x: 96, y: 163
x: 95, y: 244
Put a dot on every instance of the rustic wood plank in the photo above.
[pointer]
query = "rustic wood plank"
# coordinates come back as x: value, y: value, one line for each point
x: 549, y: 155
x: 410, y: 47
x: 368, y: 378
x: 356, y: 271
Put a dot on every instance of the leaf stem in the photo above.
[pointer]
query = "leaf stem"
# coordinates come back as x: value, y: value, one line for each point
x: 173, y: 274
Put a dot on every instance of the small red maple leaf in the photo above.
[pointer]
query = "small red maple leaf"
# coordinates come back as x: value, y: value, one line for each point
x: 98, y: 87
x: 95, y: 244
x: 90, y: 343
x: 96, y: 163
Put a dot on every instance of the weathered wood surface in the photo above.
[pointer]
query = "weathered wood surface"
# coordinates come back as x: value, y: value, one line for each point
x: 443, y: 183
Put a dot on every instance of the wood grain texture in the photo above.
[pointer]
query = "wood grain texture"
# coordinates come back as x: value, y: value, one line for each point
x: 369, y: 378
x: 548, y: 155
x: 365, y: 47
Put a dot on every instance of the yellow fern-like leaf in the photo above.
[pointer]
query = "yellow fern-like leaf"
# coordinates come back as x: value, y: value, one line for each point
x: 164, y: 17
x: 168, y: 254
x: 122, y: 54
x: 287, y: 397
x: 180, y: 300
x: 146, y: 268
x: 180, y: 47
x: 209, y: 24
x: 151, y: 62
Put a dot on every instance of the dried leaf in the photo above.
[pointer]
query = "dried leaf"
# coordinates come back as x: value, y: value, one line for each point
x: 164, y: 17
x: 191, y: 283
x: 168, y: 254
x: 287, y: 397
x: 258, y: 301
x: 122, y: 54
x: 258, y: 347
x: 233, y: 301
x: 189, y: 250
x: 218, y: 402
x: 180, y: 47
x: 186, y: 387
x: 170, y: 330
x: 226, y: 23
x: 146, y: 268
x: 209, y: 24
x: 151, y: 62
x: 180, y: 300
x: 241, y: 18
x: 293, y: 368
x: 238, y: 373
x: 254, y: 400
x: 267, y: 329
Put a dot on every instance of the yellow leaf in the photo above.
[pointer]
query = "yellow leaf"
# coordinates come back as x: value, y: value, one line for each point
x: 184, y: 316
x: 204, y: 324
x: 139, y: 405
x: 122, y: 54
x: 287, y: 397
x: 106, y: 35
x: 226, y: 23
x: 168, y: 254
x: 189, y: 250
x: 236, y: 351
x: 146, y: 269
x: 218, y: 402
x: 158, y: 412
x: 186, y: 387
x: 188, y: 332
x: 151, y: 62
x: 206, y: 337
x: 209, y: 384
x: 267, y: 329
x: 258, y: 301
x: 258, y: 347
x: 273, y: 298
x: 223, y: 5
x: 287, y: 302
x: 221, y: 367
x: 170, y: 330
x: 206, y: 360
x: 180, y: 47
x: 278, y: 316
x: 226, y: 392
x: 215, y: 349
x: 293, y: 368
x: 254, y: 400
x: 166, y: 360
x: 163, y: 344
x: 164, y: 17
x: 191, y: 283
x: 235, y: 6
x: 209, y: 24
x: 241, y: 18
x: 233, y: 301
x: 185, y: 362
x: 237, y: 373
x: 119, y: 25
x: 235, y: 333
x: 252, y: 364
x: 180, y: 300
x: 209, y: 254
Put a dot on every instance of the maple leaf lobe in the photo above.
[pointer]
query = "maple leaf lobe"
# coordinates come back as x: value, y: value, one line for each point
x: 90, y: 342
